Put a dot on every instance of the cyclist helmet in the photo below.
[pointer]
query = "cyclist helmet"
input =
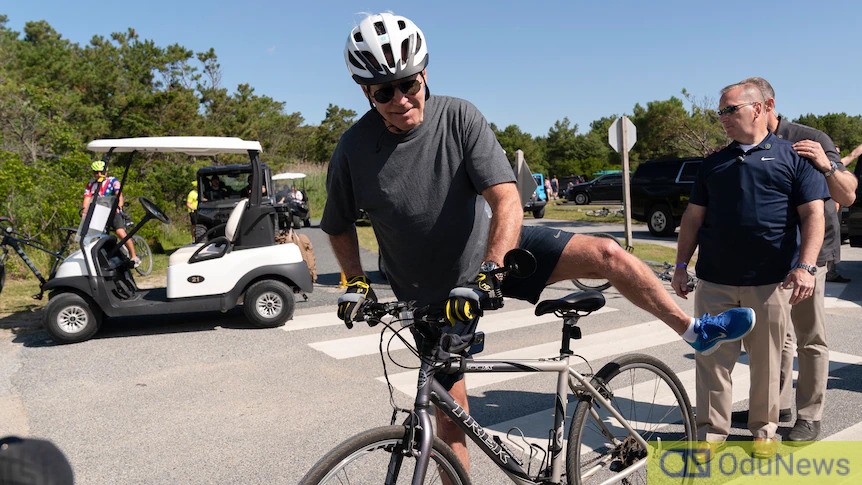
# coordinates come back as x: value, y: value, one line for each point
x: 372, y: 47
x: 98, y: 166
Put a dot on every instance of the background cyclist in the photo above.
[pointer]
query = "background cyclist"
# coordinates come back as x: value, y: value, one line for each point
x: 109, y: 186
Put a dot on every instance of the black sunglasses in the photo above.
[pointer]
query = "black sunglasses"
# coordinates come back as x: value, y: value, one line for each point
x: 729, y: 110
x: 386, y: 93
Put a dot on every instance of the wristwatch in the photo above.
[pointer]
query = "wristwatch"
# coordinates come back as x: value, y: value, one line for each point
x: 812, y: 270
x: 488, y: 266
x: 834, y: 167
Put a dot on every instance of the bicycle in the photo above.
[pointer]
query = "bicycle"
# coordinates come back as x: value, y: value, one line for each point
x: 17, y: 241
x: 664, y: 271
x: 142, y: 249
x: 610, y: 429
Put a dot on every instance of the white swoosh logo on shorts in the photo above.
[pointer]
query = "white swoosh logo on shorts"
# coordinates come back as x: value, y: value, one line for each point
x: 557, y: 235
x: 766, y: 159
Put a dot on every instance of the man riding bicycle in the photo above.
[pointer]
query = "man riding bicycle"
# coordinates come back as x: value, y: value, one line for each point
x: 441, y: 195
x: 105, y: 186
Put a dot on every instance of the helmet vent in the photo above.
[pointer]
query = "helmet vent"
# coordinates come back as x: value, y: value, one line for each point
x: 379, y: 28
x: 354, y: 61
x: 405, y: 50
x: 401, y: 25
x: 387, y: 51
x: 370, y: 59
x: 357, y: 36
x: 418, y: 43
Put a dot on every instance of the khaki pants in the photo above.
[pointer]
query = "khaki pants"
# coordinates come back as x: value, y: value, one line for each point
x: 764, y: 343
x: 813, y: 355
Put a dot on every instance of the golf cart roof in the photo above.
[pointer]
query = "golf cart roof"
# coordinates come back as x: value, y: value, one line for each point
x: 288, y: 176
x: 190, y: 145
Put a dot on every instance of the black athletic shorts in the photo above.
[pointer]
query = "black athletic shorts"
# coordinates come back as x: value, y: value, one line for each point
x: 547, y: 246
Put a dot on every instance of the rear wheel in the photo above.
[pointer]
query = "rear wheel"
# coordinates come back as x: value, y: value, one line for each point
x: 660, y: 221
x: 581, y: 198
x: 651, y: 399
x: 143, y: 252
x: 378, y: 456
x: 70, y: 318
x: 296, y: 222
x: 539, y: 213
x: 269, y: 303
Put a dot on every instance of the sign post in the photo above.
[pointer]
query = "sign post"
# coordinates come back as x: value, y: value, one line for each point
x: 622, y: 136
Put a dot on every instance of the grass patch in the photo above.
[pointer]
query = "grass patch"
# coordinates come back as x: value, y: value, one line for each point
x: 571, y: 212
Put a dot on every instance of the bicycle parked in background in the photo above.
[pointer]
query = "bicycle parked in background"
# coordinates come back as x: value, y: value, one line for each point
x: 632, y: 407
x: 142, y: 249
x: 17, y: 241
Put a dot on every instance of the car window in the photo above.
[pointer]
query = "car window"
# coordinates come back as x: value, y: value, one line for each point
x: 688, y: 172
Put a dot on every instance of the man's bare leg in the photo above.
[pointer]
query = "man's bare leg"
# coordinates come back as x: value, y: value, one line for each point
x: 448, y: 431
x: 121, y: 233
x: 595, y: 257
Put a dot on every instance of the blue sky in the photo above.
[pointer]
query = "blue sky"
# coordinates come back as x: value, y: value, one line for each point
x: 528, y: 63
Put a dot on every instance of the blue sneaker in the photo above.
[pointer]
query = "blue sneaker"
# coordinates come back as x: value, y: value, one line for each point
x: 724, y: 327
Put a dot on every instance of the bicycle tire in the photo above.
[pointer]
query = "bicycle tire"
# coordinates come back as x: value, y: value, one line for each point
x: 144, y: 253
x: 597, y: 284
x: 630, y: 378
x: 355, y: 461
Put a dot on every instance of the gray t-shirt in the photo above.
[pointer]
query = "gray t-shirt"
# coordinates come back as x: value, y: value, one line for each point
x: 420, y: 190
x: 793, y: 132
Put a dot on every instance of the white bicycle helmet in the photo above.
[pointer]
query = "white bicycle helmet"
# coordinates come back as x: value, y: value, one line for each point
x: 384, y: 48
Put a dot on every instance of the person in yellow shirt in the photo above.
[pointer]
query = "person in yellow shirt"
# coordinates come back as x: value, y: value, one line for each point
x: 192, y: 205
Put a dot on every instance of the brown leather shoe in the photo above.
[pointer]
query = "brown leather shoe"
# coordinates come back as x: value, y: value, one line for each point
x: 764, y: 447
x: 705, y: 451
x: 804, y: 430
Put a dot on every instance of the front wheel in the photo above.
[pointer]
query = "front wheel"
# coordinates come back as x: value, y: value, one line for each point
x: 649, y: 396
x: 581, y: 198
x: 379, y: 456
x: 597, y: 284
x: 268, y: 303
x: 70, y: 318
x: 539, y: 213
x: 145, y: 254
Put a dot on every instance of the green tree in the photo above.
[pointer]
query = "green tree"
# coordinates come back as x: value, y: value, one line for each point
x: 334, y: 124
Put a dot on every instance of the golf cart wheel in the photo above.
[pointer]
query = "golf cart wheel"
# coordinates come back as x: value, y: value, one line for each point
x: 70, y: 318
x: 268, y: 303
x: 539, y: 213
x: 307, y: 222
x: 297, y: 222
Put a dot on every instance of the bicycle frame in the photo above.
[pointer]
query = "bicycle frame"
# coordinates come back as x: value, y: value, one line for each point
x: 431, y: 391
x: 16, y: 243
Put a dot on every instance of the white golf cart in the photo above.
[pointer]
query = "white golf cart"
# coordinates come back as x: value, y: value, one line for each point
x: 298, y: 212
x: 244, y: 265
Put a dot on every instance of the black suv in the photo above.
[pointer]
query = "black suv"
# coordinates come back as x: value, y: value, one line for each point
x: 660, y: 190
x: 605, y: 188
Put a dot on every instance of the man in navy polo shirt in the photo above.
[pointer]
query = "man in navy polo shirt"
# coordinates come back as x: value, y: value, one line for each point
x: 745, y: 208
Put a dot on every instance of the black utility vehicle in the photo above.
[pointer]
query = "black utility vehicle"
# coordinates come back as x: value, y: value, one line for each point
x: 219, y: 189
x: 854, y: 214
x: 605, y: 188
x: 660, y: 190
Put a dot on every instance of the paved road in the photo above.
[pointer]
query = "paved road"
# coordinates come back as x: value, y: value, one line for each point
x: 206, y: 399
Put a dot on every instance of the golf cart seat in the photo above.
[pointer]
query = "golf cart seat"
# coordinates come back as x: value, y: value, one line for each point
x: 214, y: 248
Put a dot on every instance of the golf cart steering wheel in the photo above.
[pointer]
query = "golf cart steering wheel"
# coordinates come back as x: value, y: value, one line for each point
x: 152, y: 210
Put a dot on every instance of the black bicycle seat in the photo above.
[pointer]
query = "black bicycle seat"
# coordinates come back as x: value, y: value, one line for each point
x: 582, y: 301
